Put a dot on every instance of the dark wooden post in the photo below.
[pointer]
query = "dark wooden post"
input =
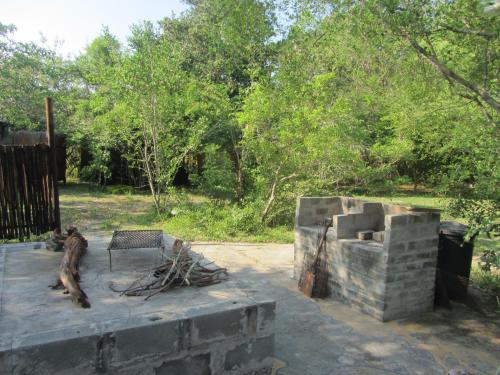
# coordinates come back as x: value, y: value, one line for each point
x: 49, y: 120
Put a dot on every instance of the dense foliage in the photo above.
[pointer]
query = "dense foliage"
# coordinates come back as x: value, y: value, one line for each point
x: 262, y: 101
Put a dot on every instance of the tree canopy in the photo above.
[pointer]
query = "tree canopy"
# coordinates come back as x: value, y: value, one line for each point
x: 261, y: 101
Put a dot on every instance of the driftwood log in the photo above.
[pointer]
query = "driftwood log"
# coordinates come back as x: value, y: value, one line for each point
x: 75, y: 246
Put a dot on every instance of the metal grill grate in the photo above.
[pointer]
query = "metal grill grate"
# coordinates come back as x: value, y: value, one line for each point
x: 136, y: 239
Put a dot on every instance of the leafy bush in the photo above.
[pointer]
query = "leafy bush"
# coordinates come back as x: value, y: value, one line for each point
x: 98, y: 170
x: 489, y: 259
x: 481, y: 215
x: 220, y: 221
x: 487, y: 280
x: 217, y: 179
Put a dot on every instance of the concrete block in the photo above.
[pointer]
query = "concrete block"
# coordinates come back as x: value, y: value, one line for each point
x: 394, y: 246
x: 355, y: 296
x: 221, y: 325
x: 266, y: 316
x: 376, y: 312
x: 373, y: 208
x: 250, y: 354
x: 428, y: 230
x: 160, y: 338
x: 364, y: 235
x: 252, y: 317
x: 411, y: 284
x: 195, y: 365
x: 426, y: 255
x: 185, y: 341
x: 344, y: 226
x: 408, y: 275
x: 321, y: 211
x: 355, y: 280
x: 430, y: 264
x: 63, y: 356
x: 119, y: 334
x: 400, y: 234
x: 379, y: 236
x: 428, y: 243
x: 361, y: 221
x: 6, y: 360
x: 364, y: 269
x: 411, y: 266
x: 313, y: 210
x: 415, y: 218
x: 400, y: 258
x: 396, y: 221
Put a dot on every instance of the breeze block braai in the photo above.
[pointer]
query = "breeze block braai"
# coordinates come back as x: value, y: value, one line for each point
x: 380, y: 258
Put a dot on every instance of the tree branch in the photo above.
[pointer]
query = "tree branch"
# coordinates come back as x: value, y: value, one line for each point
x: 480, y: 105
x: 484, y: 34
x: 448, y: 73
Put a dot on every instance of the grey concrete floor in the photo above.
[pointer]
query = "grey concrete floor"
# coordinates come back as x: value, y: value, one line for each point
x: 31, y: 312
x: 326, y: 337
x: 323, y: 337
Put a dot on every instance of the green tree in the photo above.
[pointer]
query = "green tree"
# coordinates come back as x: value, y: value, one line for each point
x: 28, y: 73
x: 226, y: 43
x: 169, y: 109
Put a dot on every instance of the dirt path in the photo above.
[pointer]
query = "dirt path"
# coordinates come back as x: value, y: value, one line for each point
x: 97, y: 212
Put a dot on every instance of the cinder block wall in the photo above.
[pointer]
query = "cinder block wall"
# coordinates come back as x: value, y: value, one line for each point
x: 228, y: 339
x: 388, y: 280
x: 411, y: 243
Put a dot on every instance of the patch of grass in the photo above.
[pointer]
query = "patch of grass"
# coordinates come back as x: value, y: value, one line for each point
x: 482, y: 244
x: 94, y: 209
x: 487, y: 280
x: 421, y: 200
x: 196, y: 218
x: 223, y: 222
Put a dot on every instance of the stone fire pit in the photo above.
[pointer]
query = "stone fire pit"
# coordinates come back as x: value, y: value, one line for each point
x: 380, y: 258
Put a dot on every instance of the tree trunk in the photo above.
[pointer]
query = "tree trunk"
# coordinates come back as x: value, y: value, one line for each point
x: 272, y: 193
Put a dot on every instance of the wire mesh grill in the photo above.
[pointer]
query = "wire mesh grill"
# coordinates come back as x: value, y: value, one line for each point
x: 136, y: 239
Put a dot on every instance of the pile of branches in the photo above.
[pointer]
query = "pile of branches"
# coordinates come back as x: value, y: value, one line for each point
x: 179, y: 270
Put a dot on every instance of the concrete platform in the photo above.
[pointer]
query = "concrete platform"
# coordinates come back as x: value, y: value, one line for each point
x: 218, y: 329
x: 313, y: 337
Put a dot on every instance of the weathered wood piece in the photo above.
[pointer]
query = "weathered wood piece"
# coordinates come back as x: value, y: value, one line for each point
x: 75, y: 246
x: 26, y: 191
x: 49, y: 118
x: 29, y: 198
